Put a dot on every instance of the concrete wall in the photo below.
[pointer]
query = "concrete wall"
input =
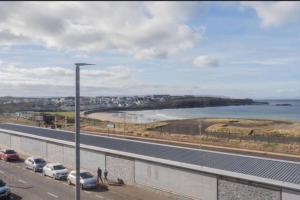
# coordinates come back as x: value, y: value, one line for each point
x: 230, y: 189
x: 4, y: 140
x: 15, y: 142
x: 91, y: 160
x: 120, y: 167
x: 55, y: 153
x: 34, y: 147
x: 69, y: 156
x: 290, y: 194
x: 190, y: 183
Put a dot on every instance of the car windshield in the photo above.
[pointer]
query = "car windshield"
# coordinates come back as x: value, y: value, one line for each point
x: 2, y: 184
x: 39, y: 160
x: 58, y: 167
x: 10, y: 151
x: 85, y: 175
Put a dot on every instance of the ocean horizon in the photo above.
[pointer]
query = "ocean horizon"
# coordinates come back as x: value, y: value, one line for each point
x: 272, y: 111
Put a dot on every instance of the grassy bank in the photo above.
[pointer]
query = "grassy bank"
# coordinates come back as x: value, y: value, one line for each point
x: 239, y: 133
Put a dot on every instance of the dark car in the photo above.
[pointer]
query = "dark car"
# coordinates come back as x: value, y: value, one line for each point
x: 9, y: 155
x: 4, y: 190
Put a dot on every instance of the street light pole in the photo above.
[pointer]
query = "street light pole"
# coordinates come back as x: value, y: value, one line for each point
x: 200, y: 132
x: 77, y: 128
x: 77, y: 135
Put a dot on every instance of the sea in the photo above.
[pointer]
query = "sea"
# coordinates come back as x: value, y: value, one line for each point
x: 271, y: 111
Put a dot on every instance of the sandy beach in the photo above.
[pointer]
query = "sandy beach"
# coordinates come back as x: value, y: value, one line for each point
x: 110, y: 116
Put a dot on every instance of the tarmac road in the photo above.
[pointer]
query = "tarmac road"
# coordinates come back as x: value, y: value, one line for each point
x: 27, y: 185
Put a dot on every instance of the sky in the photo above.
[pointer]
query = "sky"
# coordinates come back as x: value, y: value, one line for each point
x: 231, y: 49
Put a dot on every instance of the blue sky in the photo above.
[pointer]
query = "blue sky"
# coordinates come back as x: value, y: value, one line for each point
x: 243, y: 50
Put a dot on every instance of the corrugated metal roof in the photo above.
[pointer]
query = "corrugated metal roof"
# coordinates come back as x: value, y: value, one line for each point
x: 256, y: 166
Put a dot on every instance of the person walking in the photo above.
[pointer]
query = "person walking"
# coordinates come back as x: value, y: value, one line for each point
x: 99, y: 173
x: 105, y: 175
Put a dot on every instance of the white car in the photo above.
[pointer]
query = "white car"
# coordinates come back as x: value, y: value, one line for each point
x: 87, y: 180
x: 55, y: 170
x: 35, y: 163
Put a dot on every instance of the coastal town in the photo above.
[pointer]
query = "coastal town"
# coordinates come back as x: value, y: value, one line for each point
x: 86, y: 103
x: 14, y: 104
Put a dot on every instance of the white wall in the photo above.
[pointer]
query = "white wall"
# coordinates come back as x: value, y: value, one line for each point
x: 55, y: 153
x: 69, y: 156
x: 16, y: 143
x: 193, y: 184
x: 34, y: 147
x: 120, y: 167
x: 91, y: 160
x: 4, y: 140
x: 290, y: 194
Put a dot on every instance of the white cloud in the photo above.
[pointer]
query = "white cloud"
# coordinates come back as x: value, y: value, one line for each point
x: 205, y: 61
x: 140, y: 29
x: 274, y: 61
x: 46, y: 77
x: 276, y: 13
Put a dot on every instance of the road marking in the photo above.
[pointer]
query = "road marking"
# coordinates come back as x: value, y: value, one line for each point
x: 65, y: 183
x: 19, y: 167
x: 87, y: 192
x: 21, y: 181
x: 53, y: 195
x: 100, y: 197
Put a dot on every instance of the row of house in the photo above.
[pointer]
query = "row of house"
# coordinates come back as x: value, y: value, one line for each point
x: 68, y: 103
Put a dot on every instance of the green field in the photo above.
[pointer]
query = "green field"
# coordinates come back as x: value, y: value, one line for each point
x: 68, y: 114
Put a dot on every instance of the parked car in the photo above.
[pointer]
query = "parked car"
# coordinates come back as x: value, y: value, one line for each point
x: 4, y: 190
x: 9, y: 155
x: 55, y: 170
x: 87, y: 180
x: 35, y: 163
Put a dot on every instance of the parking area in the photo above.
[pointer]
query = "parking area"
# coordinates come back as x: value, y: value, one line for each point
x: 27, y: 184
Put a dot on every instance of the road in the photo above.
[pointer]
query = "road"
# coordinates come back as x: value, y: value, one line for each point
x: 27, y: 185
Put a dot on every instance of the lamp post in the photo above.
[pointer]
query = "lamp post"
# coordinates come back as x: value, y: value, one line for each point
x: 77, y: 127
x: 200, y: 132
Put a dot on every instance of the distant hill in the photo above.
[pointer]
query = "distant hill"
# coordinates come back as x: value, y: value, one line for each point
x: 184, y: 102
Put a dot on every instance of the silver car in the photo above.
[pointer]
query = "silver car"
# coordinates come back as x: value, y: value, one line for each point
x: 4, y: 190
x: 87, y: 180
x: 35, y: 163
x: 55, y: 170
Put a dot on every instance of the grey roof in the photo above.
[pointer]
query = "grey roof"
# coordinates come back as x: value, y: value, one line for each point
x: 278, y: 170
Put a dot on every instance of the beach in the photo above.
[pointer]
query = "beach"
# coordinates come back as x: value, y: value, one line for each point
x: 269, y: 112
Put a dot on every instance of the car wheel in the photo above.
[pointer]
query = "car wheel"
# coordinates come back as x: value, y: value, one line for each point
x: 34, y: 169
x: 44, y: 173
x: 69, y: 182
x: 5, y: 159
x: 81, y: 186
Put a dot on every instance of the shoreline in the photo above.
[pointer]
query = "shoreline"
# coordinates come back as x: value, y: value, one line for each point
x: 119, y: 117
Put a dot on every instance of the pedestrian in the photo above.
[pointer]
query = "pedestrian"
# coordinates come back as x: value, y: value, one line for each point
x: 105, y: 175
x: 99, y: 173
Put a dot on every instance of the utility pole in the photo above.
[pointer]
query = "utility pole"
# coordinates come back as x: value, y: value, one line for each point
x: 77, y: 127
x: 77, y: 135
x: 66, y: 121
x: 55, y: 121
x: 124, y: 121
x: 200, y: 132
